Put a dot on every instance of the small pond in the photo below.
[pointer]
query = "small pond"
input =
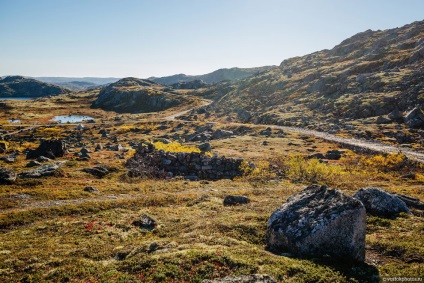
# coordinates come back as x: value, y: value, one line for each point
x: 71, y: 118
x: 14, y: 121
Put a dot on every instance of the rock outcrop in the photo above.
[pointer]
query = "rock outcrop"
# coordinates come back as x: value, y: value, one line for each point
x: 381, y: 203
x: 17, y: 86
x: 131, y: 95
x: 319, y: 221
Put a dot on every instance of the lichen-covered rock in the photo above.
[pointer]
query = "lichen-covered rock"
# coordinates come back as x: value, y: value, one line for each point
x: 7, y: 175
x: 48, y: 148
x: 319, y: 221
x: 381, y: 203
x: 256, y: 278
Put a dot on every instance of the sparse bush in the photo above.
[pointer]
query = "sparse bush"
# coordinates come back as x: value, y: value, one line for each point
x: 385, y: 163
x: 261, y: 172
x: 175, y: 147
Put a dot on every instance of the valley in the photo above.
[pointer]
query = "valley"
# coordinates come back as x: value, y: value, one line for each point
x: 177, y: 183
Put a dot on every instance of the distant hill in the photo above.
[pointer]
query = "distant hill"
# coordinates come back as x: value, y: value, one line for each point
x: 75, y: 83
x: 18, y: 86
x: 214, y: 77
x: 371, y: 74
x: 132, y: 95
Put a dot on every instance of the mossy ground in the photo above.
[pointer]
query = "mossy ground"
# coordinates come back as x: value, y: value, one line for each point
x: 54, y: 231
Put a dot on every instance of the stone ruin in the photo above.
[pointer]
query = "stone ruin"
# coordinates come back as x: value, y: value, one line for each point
x: 194, y: 165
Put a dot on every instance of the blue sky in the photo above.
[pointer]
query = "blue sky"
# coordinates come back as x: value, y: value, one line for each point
x: 145, y: 38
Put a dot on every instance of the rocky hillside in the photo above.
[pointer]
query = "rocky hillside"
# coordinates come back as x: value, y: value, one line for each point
x: 372, y: 75
x: 132, y: 95
x: 17, y: 86
x: 214, y: 77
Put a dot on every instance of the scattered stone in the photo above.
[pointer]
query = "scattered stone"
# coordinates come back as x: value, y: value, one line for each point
x: 99, y: 172
x: 84, y: 153
x: 91, y: 189
x: 43, y: 159
x: 414, y: 118
x: 104, y: 133
x: 319, y: 221
x: 381, y: 203
x: 49, y: 148
x: 43, y: 171
x: 221, y: 134
x: 98, y: 148
x: 33, y: 163
x: 7, y: 176
x: 333, y: 154
x: 235, y: 200
x: 395, y: 115
x: 145, y: 222
x: 205, y: 147
x: 9, y: 159
x: 3, y: 146
x: 382, y: 120
x: 411, y: 202
x: 80, y: 127
x: 256, y: 278
x: 117, y: 147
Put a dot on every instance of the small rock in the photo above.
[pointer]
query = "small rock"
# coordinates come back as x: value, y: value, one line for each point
x: 33, y: 163
x: 381, y: 203
x: 91, y: 189
x: 7, y: 176
x: 235, y: 200
x: 99, y: 172
x: 205, y: 147
x: 333, y: 154
x: 43, y: 159
x: 145, y: 222
x: 99, y: 147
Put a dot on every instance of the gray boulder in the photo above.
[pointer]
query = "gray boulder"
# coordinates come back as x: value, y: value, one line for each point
x: 43, y: 171
x: 319, y: 221
x: 99, y: 172
x: 395, y: 115
x: 381, y: 203
x: 33, y: 163
x: 7, y: 176
x: 256, y: 278
x: 383, y: 120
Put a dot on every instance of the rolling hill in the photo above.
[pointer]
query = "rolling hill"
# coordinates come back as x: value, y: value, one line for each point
x: 17, y: 86
x: 371, y: 74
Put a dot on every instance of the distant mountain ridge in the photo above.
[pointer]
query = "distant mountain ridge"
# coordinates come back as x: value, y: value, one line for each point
x: 18, y: 86
x: 214, y: 77
x: 371, y: 74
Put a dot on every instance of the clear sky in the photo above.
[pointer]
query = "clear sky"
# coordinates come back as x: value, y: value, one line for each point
x: 143, y: 38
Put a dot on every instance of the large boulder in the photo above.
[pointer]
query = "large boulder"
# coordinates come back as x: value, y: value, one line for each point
x: 7, y: 176
x: 43, y: 171
x: 48, y: 148
x: 256, y: 278
x: 381, y: 203
x: 319, y: 221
